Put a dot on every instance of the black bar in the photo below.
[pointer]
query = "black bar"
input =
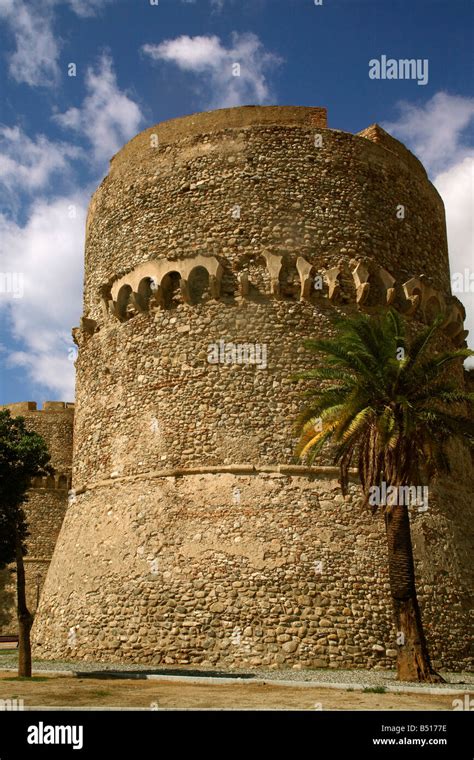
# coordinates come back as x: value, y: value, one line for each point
x: 241, y: 734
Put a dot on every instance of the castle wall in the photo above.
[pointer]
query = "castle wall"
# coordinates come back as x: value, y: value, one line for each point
x: 46, y: 505
x: 189, y: 529
x: 257, y: 568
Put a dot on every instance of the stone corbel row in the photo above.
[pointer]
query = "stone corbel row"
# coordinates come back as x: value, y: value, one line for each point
x: 147, y: 283
x: 420, y: 296
x: 58, y: 482
x: 364, y: 270
x: 274, y: 265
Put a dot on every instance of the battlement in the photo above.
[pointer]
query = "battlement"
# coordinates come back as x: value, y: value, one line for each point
x: 168, y: 133
x: 206, y: 122
x: 309, y: 117
x: 22, y: 407
x: 60, y: 481
x: 164, y: 284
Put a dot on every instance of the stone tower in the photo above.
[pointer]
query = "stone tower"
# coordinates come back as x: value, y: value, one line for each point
x: 215, y: 245
x: 47, y: 501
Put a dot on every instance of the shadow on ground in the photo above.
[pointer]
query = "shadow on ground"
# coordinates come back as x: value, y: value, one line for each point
x: 142, y: 674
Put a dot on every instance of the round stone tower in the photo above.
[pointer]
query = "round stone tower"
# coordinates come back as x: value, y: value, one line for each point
x: 217, y: 243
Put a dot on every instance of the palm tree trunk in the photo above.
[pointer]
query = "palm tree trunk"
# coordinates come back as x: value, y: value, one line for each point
x: 413, y: 662
x: 25, y: 618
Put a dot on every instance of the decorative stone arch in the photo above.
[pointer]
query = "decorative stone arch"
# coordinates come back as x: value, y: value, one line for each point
x: 145, y: 292
x: 432, y: 307
x: 173, y: 289
x: 123, y: 301
x: 453, y: 325
x: 290, y: 278
x: 49, y: 482
x: 210, y: 264
x: 413, y: 292
x: 423, y: 297
x: 63, y: 482
x: 253, y: 280
x: 106, y: 301
x: 199, y: 284
x: 374, y: 285
x: 138, y: 281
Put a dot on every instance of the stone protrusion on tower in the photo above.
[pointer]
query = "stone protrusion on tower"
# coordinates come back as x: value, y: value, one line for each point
x: 319, y: 118
x: 376, y: 134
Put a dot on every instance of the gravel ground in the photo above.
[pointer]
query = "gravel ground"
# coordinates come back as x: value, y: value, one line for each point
x: 365, y: 678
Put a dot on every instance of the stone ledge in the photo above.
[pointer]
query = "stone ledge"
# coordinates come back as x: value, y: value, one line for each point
x: 240, y: 469
x: 19, y: 407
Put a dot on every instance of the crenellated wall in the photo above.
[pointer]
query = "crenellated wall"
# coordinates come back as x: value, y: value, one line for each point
x: 47, y: 499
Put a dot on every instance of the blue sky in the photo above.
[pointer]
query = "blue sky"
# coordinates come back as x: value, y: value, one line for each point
x: 137, y: 64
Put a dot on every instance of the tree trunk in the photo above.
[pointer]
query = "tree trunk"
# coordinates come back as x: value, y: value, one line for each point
x: 413, y: 662
x: 25, y: 619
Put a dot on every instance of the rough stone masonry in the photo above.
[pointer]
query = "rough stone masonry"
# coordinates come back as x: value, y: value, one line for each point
x: 193, y: 535
x: 46, y: 505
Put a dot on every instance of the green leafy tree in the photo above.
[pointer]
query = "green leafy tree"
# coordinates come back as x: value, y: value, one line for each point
x: 389, y: 406
x: 23, y: 456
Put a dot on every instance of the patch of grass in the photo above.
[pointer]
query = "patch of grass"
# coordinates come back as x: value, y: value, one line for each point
x: 99, y: 694
x: 26, y: 678
x: 375, y: 690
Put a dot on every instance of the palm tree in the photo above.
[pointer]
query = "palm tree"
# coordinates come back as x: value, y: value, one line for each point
x: 390, y: 405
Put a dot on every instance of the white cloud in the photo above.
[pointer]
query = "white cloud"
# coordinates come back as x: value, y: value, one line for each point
x: 87, y: 7
x: 27, y: 164
x: 48, y: 253
x: 107, y: 117
x: 208, y: 57
x: 47, y: 250
x: 456, y: 187
x: 35, y: 58
x: 190, y: 53
x: 436, y: 132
